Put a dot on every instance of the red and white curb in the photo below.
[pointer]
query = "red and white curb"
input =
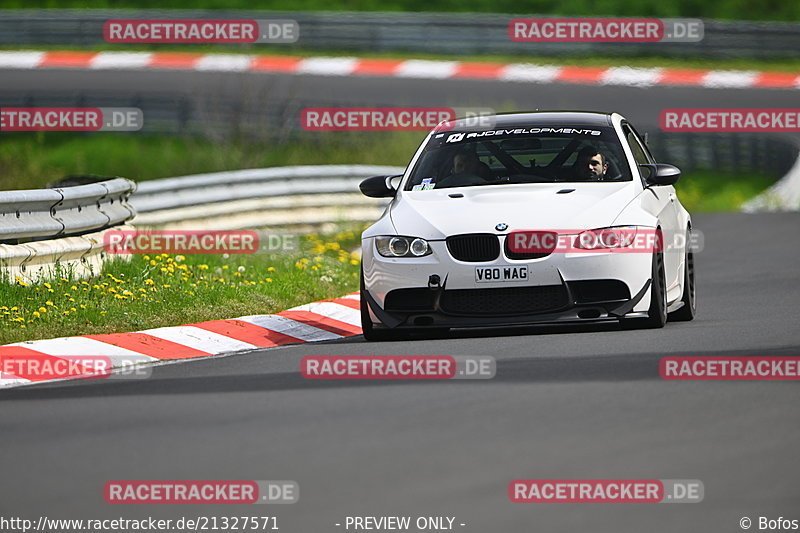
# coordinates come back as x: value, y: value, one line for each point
x: 400, y: 68
x: 318, y: 321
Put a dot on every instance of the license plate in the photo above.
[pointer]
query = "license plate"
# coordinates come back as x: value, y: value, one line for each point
x: 502, y: 273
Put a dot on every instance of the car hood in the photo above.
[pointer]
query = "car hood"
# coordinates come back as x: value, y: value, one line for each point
x: 434, y: 214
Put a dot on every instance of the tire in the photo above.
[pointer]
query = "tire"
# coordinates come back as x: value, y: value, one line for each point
x: 657, y: 313
x: 689, y: 298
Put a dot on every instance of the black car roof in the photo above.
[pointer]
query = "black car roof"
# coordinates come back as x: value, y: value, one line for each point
x: 536, y: 118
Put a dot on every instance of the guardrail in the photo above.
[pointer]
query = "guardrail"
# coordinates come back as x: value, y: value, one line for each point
x: 444, y: 33
x: 49, y: 231
x: 264, y: 197
x: 782, y: 196
x: 57, y: 212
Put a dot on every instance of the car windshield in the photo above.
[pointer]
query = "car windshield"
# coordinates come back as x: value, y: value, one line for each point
x: 520, y: 155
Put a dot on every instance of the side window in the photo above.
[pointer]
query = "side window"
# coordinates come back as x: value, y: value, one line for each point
x: 639, y: 151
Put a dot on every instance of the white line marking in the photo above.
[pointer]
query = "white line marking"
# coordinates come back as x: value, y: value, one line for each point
x: 77, y: 346
x: 528, y: 72
x: 224, y: 63
x: 327, y: 66
x: 290, y: 327
x: 20, y: 59
x: 418, y: 68
x: 731, y: 78
x: 633, y: 77
x: 333, y: 310
x: 121, y: 60
x: 200, y: 339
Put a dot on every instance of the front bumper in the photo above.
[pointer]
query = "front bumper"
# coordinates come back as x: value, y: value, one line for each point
x: 560, y: 288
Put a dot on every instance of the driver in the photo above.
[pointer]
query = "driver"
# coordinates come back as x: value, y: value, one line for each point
x: 591, y: 164
x: 467, y: 162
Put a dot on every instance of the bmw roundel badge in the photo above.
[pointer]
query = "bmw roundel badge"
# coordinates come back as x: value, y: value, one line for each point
x: 501, y: 227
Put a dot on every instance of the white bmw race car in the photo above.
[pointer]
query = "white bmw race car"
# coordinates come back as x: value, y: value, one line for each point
x: 545, y: 217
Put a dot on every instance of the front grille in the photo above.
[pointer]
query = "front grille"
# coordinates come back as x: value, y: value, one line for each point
x: 541, y: 250
x: 474, y: 247
x: 505, y: 301
x: 406, y: 300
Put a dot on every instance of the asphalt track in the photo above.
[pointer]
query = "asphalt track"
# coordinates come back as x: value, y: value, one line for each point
x: 567, y: 403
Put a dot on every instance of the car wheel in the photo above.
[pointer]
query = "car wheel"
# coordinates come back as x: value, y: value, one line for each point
x: 657, y: 313
x: 689, y: 298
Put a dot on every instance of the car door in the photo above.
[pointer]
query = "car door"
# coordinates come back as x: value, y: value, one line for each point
x: 666, y: 210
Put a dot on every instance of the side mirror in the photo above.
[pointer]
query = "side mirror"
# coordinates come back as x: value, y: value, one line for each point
x: 661, y: 174
x: 378, y: 187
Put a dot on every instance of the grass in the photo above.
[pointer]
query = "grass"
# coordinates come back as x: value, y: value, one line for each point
x: 723, y: 9
x: 705, y: 191
x: 167, y: 290
x: 786, y: 64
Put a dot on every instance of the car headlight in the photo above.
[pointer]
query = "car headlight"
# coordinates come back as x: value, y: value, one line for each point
x: 606, y: 238
x: 397, y: 246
